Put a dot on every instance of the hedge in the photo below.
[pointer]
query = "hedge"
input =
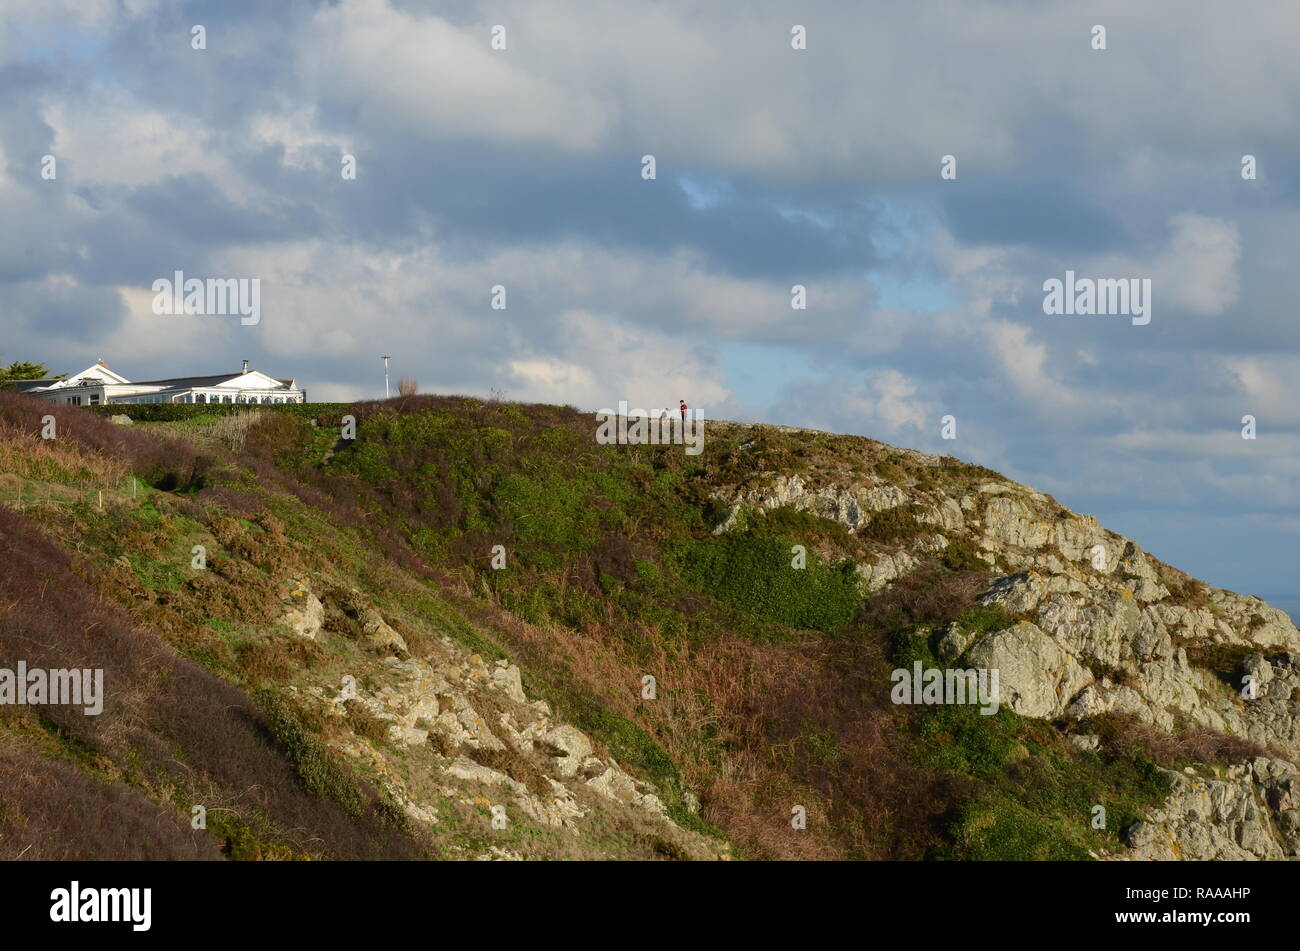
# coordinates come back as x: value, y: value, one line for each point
x: 168, y: 412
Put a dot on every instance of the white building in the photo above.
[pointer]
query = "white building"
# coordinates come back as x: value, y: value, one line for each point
x: 98, y: 385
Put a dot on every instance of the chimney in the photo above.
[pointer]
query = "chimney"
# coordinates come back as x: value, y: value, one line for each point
x: 245, y: 366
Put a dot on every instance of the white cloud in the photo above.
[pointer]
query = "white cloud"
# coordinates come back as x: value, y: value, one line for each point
x: 435, y: 80
x: 1198, y: 269
x: 298, y: 133
x: 1024, y: 362
x: 108, y: 137
x: 1270, y: 388
x: 601, y: 363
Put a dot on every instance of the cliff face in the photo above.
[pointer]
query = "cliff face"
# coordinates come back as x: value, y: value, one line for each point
x: 475, y: 633
x: 447, y: 734
x: 1099, y: 632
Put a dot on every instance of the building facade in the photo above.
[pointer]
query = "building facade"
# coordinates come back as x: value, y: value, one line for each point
x: 97, y: 385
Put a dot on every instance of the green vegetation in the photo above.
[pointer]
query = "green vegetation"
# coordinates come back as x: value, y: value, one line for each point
x: 773, y: 679
x: 1029, y: 794
x: 321, y: 773
x: 20, y: 370
x: 985, y: 619
x: 754, y: 574
x: 208, y: 412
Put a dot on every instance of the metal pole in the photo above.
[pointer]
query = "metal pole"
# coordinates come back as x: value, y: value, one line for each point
x: 386, y: 359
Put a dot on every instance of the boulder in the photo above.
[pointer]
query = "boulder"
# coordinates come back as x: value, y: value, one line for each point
x: 1036, y: 676
x: 305, y: 614
x: 379, y: 636
x: 887, y: 568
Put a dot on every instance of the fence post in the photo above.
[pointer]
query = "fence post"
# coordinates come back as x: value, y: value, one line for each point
x: 101, y: 500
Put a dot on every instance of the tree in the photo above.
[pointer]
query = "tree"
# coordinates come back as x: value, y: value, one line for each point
x: 24, y: 371
x: 408, y: 386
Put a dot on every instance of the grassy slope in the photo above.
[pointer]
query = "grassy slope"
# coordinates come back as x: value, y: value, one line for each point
x: 772, y: 682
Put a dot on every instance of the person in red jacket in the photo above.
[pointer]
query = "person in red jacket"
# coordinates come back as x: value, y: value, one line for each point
x: 683, y: 402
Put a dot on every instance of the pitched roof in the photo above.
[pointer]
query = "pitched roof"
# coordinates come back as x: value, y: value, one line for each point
x: 212, y: 380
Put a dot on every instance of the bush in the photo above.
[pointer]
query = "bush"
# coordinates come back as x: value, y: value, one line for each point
x: 1124, y: 735
x: 894, y: 526
x: 321, y: 774
x: 930, y: 595
x: 985, y: 619
x: 755, y: 575
x: 960, y: 555
x: 166, y: 724
x: 168, y: 464
x: 173, y: 412
x: 999, y: 829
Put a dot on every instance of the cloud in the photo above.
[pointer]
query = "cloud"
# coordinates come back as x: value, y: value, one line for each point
x: 818, y: 167
x: 1194, y: 274
x: 1200, y: 264
x: 421, y: 74
x: 1269, y: 385
x: 648, y: 369
x: 885, y: 404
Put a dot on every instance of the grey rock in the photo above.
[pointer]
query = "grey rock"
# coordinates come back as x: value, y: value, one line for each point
x: 1037, y: 677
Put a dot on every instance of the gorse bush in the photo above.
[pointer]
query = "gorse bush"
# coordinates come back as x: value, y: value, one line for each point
x: 754, y: 574
x: 1024, y: 790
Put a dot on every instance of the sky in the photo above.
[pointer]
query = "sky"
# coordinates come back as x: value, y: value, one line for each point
x: 822, y: 167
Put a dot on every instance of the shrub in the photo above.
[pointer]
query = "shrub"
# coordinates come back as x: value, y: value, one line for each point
x: 985, y: 619
x: 174, y: 412
x: 997, y: 829
x: 232, y: 429
x: 1123, y: 734
x: 894, y: 526
x: 167, y: 464
x: 755, y: 575
x: 321, y: 774
x: 930, y: 595
x: 960, y: 555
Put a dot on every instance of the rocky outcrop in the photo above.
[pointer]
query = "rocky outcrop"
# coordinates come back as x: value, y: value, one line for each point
x: 1037, y: 676
x: 887, y: 568
x: 851, y: 506
x: 305, y: 614
x: 1099, y: 631
x: 1250, y: 813
x: 458, y: 729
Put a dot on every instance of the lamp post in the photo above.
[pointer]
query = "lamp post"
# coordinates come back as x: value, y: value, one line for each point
x: 386, y: 359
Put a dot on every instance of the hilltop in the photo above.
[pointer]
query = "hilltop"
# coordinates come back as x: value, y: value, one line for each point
x: 374, y: 647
